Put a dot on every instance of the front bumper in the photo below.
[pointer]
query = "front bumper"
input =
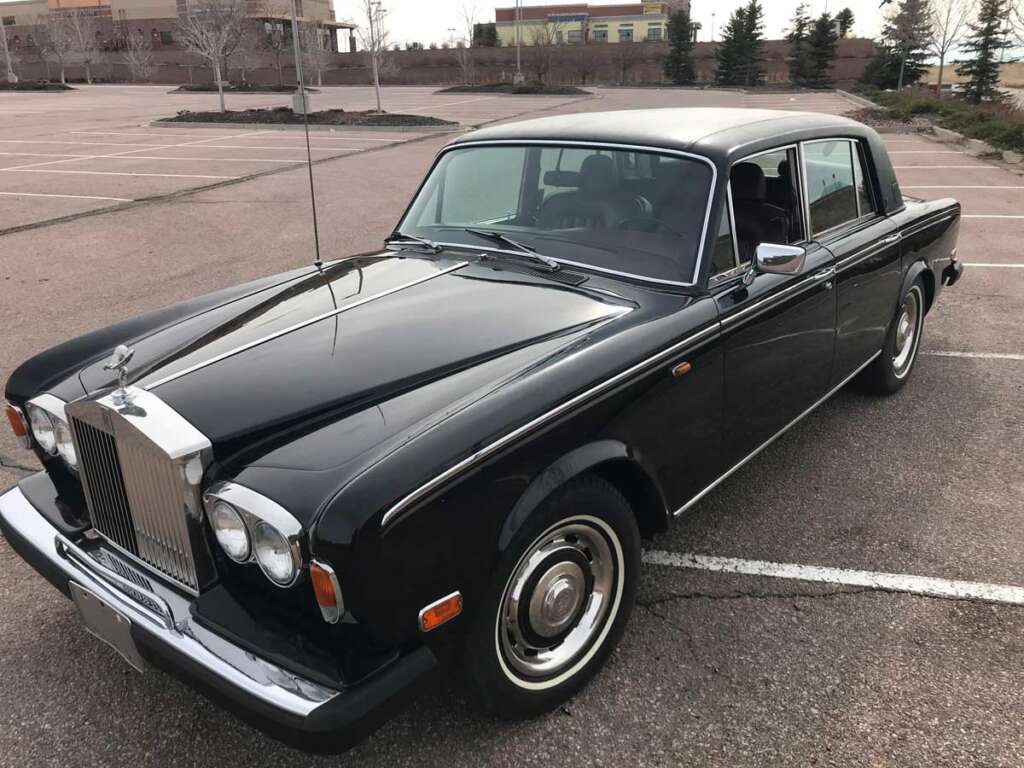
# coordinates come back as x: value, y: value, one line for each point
x: 284, y: 705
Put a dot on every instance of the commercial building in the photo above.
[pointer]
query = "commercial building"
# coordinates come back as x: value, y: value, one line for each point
x: 577, y: 23
x: 158, y: 19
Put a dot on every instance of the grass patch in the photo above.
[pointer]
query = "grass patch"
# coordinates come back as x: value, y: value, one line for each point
x: 285, y: 116
x: 529, y: 88
x: 34, y: 85
x: 1001, y: 125
x: 238, y: 88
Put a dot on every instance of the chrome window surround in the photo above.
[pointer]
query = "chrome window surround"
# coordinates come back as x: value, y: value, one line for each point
x: 26, y: 439
x: 698, y: 261
x: 53, y: 406
x: 255, y: 508
x: 825, y: 234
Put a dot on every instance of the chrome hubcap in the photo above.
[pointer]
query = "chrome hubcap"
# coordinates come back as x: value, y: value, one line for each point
x: 557, y: 600
x: 907, y: 330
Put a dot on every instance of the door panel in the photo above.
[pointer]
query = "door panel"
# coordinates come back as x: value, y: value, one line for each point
x: 778, y: 343
x: 867, y: 283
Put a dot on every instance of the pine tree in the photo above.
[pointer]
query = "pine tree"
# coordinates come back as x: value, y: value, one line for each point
x: 739, y: 53
x: 729, y: 52
x: 822, y: 51
x: 906, y: 37
x: 986, y: 40
x: 799, y: 62
x: 753, y: 33
x: 845, y: 19
x: 679, y: 62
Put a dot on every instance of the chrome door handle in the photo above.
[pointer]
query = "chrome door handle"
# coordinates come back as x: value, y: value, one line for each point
x: 822, y: 274
x: 892, y: 239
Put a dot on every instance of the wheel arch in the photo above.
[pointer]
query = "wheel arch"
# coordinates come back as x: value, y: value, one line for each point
x: 920, y: 269
x: 611, y: 460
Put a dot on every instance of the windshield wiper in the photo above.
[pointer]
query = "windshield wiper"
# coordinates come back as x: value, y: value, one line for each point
x: 524, y: 250
x: 400, y: 238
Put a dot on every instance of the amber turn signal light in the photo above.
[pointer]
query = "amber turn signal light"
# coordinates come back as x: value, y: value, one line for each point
x: 437, y: 613
x: 327, y: 592
x: 18, y: 424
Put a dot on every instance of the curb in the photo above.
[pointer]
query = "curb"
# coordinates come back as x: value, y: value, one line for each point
x: 860, y: 101
x: 316, y: 127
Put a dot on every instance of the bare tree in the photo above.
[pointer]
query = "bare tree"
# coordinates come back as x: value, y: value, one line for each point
x: 316, y: 52
x: 275, y: 40
x: 248, y: 47
x: 465, y: 54
x: 948, y: 25
x: 626, y: 55
x: 212, y: 29
x: 583, y: 62
x: 54, y: 40
x: 83, y: 32
x: 374, y: 38
x: 8, y: 65
x: 544, y: 38
x: 138, y: 56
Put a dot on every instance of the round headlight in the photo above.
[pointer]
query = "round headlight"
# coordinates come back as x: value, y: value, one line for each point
x: 230, y: 531
x: 42, y: 428
x: 274, y: 554
x: 65, y: 445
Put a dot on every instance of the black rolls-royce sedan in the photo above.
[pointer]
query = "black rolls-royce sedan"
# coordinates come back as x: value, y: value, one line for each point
x: 309, y: 493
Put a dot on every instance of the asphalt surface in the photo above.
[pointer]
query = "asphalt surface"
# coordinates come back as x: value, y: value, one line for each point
x: 715, y: 669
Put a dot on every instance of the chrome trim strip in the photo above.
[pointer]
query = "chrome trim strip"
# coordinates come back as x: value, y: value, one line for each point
x: 922, y: 225
x: 698, y: 262
x: 251, y: 504
x: 237, y: 669
x: 777, y: 298
x: 491, y: 448
x: 773, y: 438
x: 299, y: 326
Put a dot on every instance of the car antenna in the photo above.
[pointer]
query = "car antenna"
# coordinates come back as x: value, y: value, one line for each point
x: 305, y: 124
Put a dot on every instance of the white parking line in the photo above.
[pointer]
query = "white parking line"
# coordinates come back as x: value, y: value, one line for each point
x: 927, y: 152
x: 933, y: 167
x: 954, y: 186
x: 113, y: 173
x: 991, y: 216
x: 70, y: 197
x: 284, y: 135
x: 975, y: 355
x: 993, y: 266
x: 153, y: 157
x: 886, y: 582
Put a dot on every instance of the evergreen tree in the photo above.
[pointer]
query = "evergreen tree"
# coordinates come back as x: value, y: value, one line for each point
x: 679, y: 63
x: 800, y: 72
x: 739, y: 53
x: 822, y: 51
x: 844, y: 19
x: 906, y: 37
x: 986, y: 40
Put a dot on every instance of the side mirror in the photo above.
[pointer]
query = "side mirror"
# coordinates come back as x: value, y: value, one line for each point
x: 775, y: 259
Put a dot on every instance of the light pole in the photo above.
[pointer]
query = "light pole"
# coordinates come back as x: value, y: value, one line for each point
x: 518, y: 77
x: 451, y: 37
x: 712, y: 26
x: 11, y: 77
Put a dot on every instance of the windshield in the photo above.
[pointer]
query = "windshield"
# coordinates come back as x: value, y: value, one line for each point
x: 638, y: 213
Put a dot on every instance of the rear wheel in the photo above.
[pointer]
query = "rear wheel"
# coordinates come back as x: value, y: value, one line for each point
x: 890, y: 370
x: 558, y: 603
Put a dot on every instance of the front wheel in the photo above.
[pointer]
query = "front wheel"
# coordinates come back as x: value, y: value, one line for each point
x: 558, y: 603
x: 891, y: 369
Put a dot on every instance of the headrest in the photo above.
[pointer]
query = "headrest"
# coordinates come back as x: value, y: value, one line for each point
x: 561, y: 179
x: 748, y: 182
x: 597, y: 173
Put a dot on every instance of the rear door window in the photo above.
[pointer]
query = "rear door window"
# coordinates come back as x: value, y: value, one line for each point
x: 831, y: 189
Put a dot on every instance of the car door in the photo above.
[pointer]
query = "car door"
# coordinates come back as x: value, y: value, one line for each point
x: 843, y: 210
x: 778, y: 330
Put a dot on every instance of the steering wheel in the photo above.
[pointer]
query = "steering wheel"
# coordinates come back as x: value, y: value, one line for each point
x: 650, y: 224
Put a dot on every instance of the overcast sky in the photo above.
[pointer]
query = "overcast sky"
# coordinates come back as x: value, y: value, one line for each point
x: 426, y: 21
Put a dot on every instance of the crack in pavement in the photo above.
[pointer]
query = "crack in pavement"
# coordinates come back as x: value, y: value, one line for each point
x: 756, y: 595
x: 8, y: 463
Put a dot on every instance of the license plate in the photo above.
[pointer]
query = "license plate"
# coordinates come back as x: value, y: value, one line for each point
x: 106, y: 623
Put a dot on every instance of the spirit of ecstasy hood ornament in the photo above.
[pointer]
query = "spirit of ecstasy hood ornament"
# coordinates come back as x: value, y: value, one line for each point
x: 119, y: 362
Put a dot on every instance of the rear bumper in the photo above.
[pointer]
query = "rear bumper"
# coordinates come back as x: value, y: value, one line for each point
x: 952, y: 272
x: 295, y: 710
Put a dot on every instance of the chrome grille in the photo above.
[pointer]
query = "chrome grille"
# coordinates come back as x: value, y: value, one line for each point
x: 142, y: 498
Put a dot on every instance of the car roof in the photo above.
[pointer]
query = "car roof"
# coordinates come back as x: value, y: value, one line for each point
x: 713, y: 132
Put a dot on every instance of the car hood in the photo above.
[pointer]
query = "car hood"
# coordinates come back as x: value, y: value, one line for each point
x: 364, y: 331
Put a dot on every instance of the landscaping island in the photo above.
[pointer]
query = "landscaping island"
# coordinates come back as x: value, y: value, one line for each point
x: 238, y: 88
x: 285, y: 116
x: 530, y: 88
x: 34, y: 85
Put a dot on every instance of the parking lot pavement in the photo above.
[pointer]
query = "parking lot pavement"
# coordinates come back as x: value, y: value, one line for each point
x: 716, y: 668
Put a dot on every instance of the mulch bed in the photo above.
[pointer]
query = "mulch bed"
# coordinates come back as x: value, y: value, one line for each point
x: 886, y: 120
x: 285, y: 116
x: 522, y: 89
x: 238, y: 88
x: 34, y: 85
